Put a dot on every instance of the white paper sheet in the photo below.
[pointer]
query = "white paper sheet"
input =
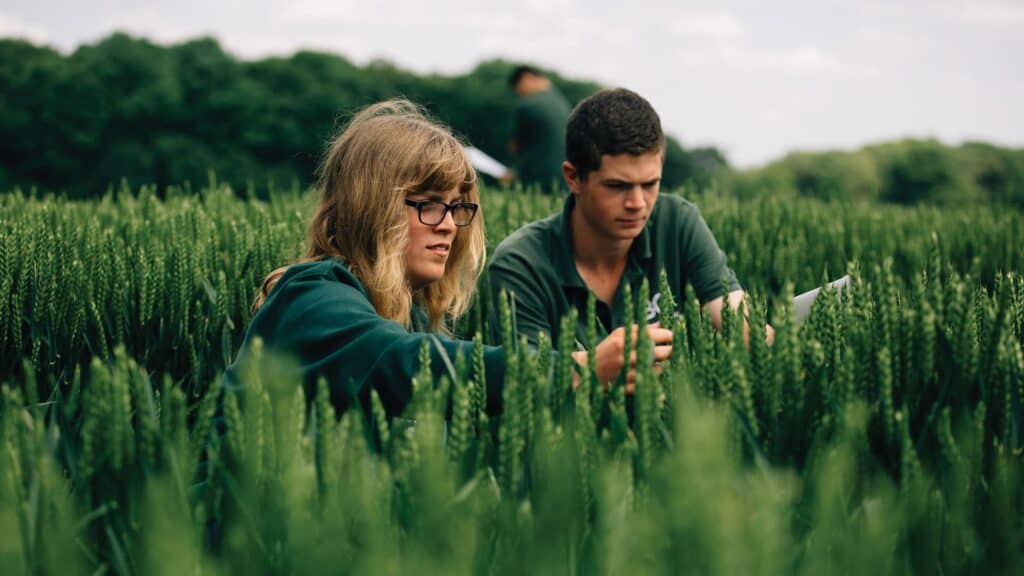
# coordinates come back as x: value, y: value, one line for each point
x: 484, y: 163
x: 802, y: 303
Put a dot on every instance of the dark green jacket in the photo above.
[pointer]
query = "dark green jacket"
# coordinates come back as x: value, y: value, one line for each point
x: 540, y: 138
x: 320, y: 313
x: 536, y: 264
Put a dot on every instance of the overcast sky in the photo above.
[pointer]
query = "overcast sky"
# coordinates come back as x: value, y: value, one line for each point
x: 755, y: 78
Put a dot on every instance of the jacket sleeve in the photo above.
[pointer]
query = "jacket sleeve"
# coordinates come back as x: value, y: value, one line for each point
x: 335, y: 332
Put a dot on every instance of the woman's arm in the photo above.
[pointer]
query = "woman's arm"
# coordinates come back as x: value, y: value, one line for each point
x: 331, y: 328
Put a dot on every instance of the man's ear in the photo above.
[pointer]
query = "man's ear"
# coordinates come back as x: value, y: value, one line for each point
x: 571, y: 176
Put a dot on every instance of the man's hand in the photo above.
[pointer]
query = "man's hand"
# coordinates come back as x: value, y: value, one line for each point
x: 738, y: 304
x: 611, y: 353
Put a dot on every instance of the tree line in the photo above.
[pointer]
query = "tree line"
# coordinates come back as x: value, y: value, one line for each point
x: 125, y: 108
x: 909, y: 171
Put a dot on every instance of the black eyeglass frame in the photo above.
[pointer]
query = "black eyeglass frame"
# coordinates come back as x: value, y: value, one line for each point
x: 419, y: 204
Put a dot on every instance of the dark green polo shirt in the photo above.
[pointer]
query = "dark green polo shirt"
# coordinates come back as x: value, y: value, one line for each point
x: 320, y: 313
x: 540, y: 137
x: 536, y: 264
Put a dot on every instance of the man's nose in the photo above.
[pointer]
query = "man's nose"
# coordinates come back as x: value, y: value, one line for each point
x: 635, y: 198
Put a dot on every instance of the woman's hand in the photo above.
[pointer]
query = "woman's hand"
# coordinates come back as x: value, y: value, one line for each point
x: 611, y: 354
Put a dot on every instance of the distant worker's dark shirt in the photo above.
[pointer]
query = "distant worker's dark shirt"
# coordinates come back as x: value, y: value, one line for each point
x: 540, y: 138
x: 537, y: 265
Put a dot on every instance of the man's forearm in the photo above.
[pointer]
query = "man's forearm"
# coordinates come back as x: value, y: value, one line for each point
x: 737, y: 303
x: 737, y: 299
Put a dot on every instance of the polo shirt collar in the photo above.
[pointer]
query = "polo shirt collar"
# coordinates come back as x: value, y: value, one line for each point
x: 562, y: 256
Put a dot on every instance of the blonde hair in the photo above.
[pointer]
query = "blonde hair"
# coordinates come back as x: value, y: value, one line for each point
x: 386, y: 152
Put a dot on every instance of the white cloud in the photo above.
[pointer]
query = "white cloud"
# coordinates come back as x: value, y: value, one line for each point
x: 708, y: 24
x: 802, y: 60
x: 717, y: 38
x: 550, y: 8
x: 321, y: 10
x: 11, y: 27
x: 987, y: 12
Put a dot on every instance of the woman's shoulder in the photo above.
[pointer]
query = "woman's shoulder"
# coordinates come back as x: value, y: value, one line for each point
x: 328, y: 269
x: 309, y: 296
x: 328, y: 274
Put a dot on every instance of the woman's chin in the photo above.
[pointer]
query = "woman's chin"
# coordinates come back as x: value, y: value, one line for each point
x: 424, y: 278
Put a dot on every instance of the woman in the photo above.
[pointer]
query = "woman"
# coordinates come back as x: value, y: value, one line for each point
x: 395, y: 247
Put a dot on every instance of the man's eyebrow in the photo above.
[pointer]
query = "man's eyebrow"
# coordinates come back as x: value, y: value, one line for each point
x: 621, y: 182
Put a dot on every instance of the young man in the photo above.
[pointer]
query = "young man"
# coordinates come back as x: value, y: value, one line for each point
x: 614, y: 228
x: 540, y: 117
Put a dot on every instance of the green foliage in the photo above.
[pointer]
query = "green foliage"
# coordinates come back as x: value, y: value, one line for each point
x: 997, y: 173
x: 128, y: 109
x: 883, y: 434
x: 914, y: 171
x: 902, y: 172
x: 823, y: 175
x: 135, y: 270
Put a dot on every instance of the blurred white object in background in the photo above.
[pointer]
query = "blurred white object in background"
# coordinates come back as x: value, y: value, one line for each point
x: 802, y: 303
x: 484, y: 163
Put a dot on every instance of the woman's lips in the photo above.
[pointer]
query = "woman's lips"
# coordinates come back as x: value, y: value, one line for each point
x: 441, y: 248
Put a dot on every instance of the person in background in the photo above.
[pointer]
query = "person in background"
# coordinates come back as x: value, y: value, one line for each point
x: 539, y: 131
x: 614, y: 229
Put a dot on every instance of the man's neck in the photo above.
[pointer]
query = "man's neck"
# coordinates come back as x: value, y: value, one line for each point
x: 596, y: 252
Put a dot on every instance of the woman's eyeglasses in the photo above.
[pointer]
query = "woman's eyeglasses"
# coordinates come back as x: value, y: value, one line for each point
x: 432, y: 212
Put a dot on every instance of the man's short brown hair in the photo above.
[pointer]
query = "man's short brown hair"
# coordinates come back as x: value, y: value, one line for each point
x: 611, y: 121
